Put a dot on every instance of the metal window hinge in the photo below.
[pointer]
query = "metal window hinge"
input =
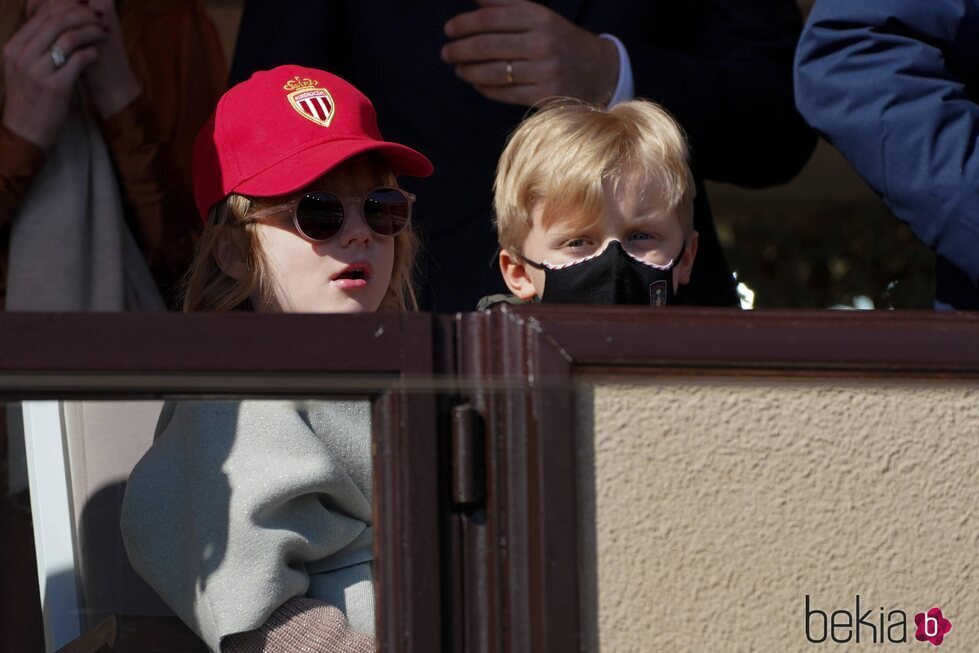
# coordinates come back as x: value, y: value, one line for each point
x: 468, y: 457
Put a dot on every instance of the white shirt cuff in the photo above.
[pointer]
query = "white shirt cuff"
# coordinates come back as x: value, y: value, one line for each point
x: 625, y: 88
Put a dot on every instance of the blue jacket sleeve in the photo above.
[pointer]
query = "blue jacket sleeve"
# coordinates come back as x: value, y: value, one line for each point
x: 885, y: 81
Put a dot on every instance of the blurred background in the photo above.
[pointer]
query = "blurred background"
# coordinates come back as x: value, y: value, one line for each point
x: 822, y: 240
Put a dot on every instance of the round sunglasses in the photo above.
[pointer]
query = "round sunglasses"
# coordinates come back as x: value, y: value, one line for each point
x: 319, y: 215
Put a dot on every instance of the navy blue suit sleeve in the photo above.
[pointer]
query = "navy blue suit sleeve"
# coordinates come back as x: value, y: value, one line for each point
x: 731, y: 89
x: 884, y: 81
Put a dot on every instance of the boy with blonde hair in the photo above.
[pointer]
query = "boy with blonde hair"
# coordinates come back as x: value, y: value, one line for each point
x: 595, y: 206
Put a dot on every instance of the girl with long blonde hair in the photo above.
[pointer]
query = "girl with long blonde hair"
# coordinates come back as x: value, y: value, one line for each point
x: 252, y: 519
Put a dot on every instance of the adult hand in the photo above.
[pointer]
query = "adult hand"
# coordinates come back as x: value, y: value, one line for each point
x: 521, y: 52
x: 110, y: 81
x: 38, y: 89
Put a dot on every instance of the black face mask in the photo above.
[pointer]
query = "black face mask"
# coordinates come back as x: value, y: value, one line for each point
x: 612, y: 277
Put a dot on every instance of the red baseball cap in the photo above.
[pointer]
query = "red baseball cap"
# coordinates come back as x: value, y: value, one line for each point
x: 283, y: 129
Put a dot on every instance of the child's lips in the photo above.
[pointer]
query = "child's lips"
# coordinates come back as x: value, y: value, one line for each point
x: 355, y: 275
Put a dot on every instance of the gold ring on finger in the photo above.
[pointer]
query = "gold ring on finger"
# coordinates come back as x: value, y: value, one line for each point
x: 58, y: 56
x: 509, y: 73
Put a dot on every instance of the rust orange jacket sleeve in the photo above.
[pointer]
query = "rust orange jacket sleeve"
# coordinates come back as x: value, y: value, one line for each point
x: 175, y: 52
x: 20, y: 161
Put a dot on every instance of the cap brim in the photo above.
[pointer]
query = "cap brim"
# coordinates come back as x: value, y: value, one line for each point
x: 305, y: 167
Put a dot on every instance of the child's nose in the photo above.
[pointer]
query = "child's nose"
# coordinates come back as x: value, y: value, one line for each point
x: 355, y: 229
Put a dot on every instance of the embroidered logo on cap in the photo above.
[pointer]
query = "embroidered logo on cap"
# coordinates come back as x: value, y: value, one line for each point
x: 309, y: 101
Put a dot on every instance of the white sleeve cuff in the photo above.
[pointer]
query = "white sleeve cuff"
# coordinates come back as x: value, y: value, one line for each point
x: 625, y: 88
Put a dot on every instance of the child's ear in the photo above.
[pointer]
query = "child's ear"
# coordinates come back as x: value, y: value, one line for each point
x: 229, y: 258
x: 685, y: 267
x: 515, y: 275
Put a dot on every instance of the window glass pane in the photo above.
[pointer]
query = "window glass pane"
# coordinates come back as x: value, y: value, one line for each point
x: 234, y: 507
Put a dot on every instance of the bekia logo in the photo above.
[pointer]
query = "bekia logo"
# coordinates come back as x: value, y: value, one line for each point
x: 932, y: 626
x: 886, y: 626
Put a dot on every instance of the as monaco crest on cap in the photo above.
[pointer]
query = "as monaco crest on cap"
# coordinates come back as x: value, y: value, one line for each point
x: 310, y: 101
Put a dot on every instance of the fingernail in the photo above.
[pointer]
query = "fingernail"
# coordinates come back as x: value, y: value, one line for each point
x: 444, y: 54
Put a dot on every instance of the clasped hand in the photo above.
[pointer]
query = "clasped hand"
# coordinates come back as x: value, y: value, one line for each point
x: 60, y: 43
x: 521, y: 52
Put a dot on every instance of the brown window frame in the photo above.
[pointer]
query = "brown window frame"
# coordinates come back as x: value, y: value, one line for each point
x: 475, y: 536
x: 517, y: 364
x: 387, y: 357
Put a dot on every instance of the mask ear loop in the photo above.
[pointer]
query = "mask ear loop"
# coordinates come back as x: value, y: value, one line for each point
x: 535, y: 264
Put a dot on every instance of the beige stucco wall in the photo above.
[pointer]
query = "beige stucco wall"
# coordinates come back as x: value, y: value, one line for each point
x: 711, y: 507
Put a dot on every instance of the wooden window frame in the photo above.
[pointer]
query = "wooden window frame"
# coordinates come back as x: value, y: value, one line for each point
x: 387, y: 357
x: 519, y: 550
x: 494, y: 568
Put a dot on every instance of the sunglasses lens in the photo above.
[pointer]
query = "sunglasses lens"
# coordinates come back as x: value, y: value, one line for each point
x: 387, y: 211
x: 320, y: 215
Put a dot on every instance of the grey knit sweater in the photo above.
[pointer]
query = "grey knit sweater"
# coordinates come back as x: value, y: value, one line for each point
x: 240, y: 506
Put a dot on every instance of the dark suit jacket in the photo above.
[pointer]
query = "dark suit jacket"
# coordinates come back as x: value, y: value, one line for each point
x: 722, y: 67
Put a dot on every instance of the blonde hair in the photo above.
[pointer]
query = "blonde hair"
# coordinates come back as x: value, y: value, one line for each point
x: 208, y: 287
x: 562, y: 154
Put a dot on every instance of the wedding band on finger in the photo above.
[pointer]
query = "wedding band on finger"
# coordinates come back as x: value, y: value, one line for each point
x: 509, y: 73
x: 58, y: 56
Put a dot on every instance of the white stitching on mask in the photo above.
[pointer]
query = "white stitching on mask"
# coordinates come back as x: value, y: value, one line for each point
x: 552, y: 266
